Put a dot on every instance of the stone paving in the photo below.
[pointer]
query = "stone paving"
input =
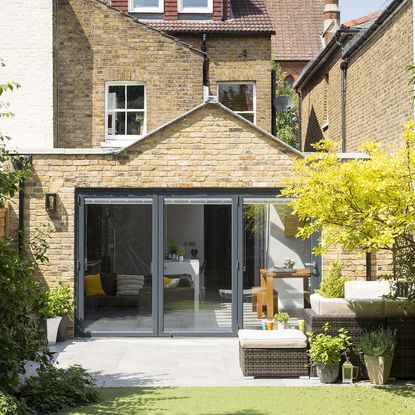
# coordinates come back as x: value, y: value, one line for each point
x: 164, y: 362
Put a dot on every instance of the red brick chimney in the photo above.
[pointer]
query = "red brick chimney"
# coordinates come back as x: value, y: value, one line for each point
x: 331, y: 19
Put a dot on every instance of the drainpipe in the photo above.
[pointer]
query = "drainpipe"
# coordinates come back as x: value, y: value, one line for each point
x: 300, y: 120
x: 273, y: 95
x: 18, y: 165
x: 205, y: 68
x: 343, y: 67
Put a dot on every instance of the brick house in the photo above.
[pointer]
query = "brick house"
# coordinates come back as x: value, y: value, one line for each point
x: 153, y: 163
x: 357, y: 88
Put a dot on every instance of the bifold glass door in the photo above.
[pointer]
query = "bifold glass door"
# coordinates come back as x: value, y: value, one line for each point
x: 197, y: 265
x: 171, y: 264
x: 118, y: 257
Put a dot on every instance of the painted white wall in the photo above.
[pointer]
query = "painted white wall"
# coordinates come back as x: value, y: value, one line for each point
x: 186, y: 224
x: 290, y: 291
x: 26, y: 47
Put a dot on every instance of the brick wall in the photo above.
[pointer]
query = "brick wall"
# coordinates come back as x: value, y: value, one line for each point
x: 293, y: 68
x: 208, y: 148
x: 26, y: 35
x: 171, y: 8
x: 97, y: 44
x: 378, y: 100
x: 240, y: 58
x: 321, y: 106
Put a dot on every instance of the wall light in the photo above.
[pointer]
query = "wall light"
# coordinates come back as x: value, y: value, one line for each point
x: 50, y: 202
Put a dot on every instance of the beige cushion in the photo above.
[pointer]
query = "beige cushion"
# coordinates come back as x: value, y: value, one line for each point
x: 272, y: 339
x: 366, y: 289
x: 344, y: 307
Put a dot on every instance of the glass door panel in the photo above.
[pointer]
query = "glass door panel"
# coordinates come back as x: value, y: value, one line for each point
x: 197, y: 279
x: 118, y: 280
x: 269, y: 242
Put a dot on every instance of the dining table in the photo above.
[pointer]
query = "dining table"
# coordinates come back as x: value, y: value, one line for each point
x: 267, y: 277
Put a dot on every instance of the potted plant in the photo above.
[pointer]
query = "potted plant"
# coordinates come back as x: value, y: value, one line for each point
x: 326, y: 352
x: 378, y: 346
x: 56, y: 306
x: 288, y: 263
x: 180, y: 253
x: 282, y: 320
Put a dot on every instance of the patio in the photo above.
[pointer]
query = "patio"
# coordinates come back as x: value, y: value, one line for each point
x: 151, y: 362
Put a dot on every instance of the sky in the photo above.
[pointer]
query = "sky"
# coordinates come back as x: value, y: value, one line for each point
x: 351, y: 9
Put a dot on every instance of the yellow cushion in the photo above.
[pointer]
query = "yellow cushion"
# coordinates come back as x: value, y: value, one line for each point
x: 93, y: 285
x: 166, y: 281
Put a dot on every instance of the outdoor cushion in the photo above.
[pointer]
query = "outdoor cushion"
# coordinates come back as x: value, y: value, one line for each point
x: 272, y: 339
x: 366, y: 289
x: 93, y: 285
x: 347, y: 307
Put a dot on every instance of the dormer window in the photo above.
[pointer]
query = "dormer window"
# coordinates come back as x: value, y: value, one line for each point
x: 146, y: 6
x: 195, y: 6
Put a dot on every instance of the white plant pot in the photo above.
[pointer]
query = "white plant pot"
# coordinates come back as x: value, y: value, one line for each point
x: 282, y: 325
x: 181, y: 259
x: 51, y: 326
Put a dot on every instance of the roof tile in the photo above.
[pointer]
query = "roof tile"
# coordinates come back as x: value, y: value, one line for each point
x: 247, y: 16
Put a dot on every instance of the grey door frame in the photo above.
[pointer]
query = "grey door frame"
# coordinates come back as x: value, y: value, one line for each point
x: 158, y: 195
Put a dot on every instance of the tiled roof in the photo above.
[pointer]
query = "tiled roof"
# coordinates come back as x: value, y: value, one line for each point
x: 298, y: 25
x: 246, y: 16
x: 364, y: 20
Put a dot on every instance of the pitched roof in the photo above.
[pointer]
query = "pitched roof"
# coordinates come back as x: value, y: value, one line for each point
x: 212, y: 101
x: 298, y: 25
x: 364, y: 20
x: 250, y: 16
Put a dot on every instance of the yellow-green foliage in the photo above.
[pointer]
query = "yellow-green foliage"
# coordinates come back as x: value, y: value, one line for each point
x: 361, y: 204
x: 333, y: 285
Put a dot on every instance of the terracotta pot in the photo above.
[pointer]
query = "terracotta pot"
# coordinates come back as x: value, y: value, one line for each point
x: 328, y: 373
x: 378, y: 368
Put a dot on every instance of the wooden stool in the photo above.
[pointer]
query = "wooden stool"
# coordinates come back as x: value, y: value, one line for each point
x: 260, y: 299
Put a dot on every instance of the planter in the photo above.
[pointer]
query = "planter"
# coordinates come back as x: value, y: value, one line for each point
x: 328, y: 373
x: 282, y: 325
x: 378, y: 368
x: 51, y: 326
x: 62, y: 330
x: 181, y: 258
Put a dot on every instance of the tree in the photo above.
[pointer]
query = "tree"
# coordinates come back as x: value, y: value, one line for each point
x: 287, y: 122
x: 363, y: 204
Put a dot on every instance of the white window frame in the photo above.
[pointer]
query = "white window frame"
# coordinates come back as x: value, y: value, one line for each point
x: 126, y: 137
x: 208, y: 9
x: 159, y: 9
x: 241, y: 83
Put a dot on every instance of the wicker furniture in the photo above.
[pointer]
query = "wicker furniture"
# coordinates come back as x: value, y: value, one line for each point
x: 404, y: 358
x: 275, y: 356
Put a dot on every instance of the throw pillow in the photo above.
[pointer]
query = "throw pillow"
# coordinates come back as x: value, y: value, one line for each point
x: 93, y: 285
x: 174, y: 282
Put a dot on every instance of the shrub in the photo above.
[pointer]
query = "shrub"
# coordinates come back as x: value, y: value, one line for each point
x: 333, y: 285
x: 281, y: 317
x: 53, y: 389
x: 378, y: 342
x: 8, y: 405
x: 21, y: 338
x: 57, y: 302
x: 327, y: 349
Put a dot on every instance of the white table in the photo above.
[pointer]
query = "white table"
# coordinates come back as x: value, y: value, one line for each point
x: 188, y: 266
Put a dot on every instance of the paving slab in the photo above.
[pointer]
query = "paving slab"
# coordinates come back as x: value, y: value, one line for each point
x: 153, y: 362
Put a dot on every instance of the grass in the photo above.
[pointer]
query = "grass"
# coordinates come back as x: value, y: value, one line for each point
x: 254, y: 401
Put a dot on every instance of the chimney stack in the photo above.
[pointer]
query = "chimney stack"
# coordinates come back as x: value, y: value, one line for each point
x: 331, y: 19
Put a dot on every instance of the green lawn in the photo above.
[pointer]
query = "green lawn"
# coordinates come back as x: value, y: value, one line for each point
x: 254, y: 401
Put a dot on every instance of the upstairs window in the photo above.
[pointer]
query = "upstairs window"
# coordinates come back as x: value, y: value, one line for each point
x: 195, y: 6
x: 125, y: 110
x: 239, y: 97
x: 146, y: 6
